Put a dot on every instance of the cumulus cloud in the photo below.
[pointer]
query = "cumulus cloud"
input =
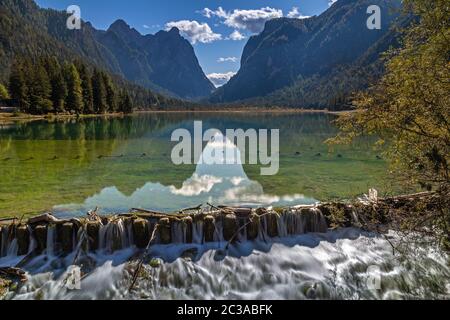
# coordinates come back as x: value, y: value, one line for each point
x: 196, y: 185
x: 195, y: 31
x: 236, y: 36
x: 252, y: 20
x: 227, y: 59
x: 219, y: 79
x: 295, y: 13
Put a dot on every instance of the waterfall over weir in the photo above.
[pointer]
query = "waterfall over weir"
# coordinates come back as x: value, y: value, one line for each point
x: 52, y: 236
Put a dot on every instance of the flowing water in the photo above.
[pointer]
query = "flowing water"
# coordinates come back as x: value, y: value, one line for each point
x: 344, y: 264
x: 120, y: 163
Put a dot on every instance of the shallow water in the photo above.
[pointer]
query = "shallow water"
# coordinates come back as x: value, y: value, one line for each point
x: 344, y: 264
x: 118, y: 163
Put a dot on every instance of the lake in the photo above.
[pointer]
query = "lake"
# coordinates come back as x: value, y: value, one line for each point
x: 118, y: 163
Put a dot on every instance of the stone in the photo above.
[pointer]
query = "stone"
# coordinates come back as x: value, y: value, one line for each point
x: 67, y: 237
x: 141, y: 233
x: 253, y: 227
x: 209, y: 228
x: 40, y: 234
x: 93, y: 234
x: 230, y: 227
x: 165, y: 231
x: 23, y: 239
x: 188, y: 222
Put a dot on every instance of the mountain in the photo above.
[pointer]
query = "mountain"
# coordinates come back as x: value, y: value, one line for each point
x: 313, y: 62
x: 165, y: 62
x: 165, y: 59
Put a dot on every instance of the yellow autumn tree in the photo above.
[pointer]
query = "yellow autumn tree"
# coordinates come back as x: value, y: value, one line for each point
x: 410, y: 108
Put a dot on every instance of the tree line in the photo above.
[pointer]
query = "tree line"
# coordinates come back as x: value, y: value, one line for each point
x: 46, y: 86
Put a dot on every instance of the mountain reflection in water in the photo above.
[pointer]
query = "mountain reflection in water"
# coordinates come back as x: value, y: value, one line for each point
x: 219, y: 183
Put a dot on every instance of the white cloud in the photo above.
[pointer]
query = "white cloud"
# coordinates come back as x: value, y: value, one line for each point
x: 236, y: 36
x: 195, y: 31
x: 219, y: 79
x: 196, y: 185
x: 146, y: 26
x: 252, y: 20
x: 228, y: 59
x: 295, y: 13
x: 331, y: 2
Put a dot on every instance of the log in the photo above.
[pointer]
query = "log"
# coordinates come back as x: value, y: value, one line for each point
x: 141, y: 233
x: 208, y: 228
x: 40, y: 234
x: 23, y: 239
x: 165, y: 231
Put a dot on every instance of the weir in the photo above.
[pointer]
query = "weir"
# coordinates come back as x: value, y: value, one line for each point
x: 46, y: 234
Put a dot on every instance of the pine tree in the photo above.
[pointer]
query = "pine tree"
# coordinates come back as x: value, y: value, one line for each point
x: 111, y: 99
x: 98, y: 88
x: 58, y: 83
x: 18, y: 86
x: 126, y: 105
x: 40, y: 91
x: 74, y: 101
x: 4, y: 94
x: 86, y: 85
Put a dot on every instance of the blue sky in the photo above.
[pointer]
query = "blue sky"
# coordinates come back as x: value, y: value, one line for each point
x: 217, y: 29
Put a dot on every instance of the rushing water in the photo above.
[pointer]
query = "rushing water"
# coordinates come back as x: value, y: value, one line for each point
x: 344, y: 264
x: 118, y: 163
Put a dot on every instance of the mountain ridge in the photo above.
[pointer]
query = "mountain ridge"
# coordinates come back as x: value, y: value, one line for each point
x: 164, y: 62
x: 289, y: 51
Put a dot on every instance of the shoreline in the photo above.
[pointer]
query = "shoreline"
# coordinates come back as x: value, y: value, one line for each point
x: 10, y: 118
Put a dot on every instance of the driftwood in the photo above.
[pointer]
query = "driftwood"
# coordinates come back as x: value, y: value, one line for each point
x: 142, y: 259
x: 13, y: 273
x: 372, y: 214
